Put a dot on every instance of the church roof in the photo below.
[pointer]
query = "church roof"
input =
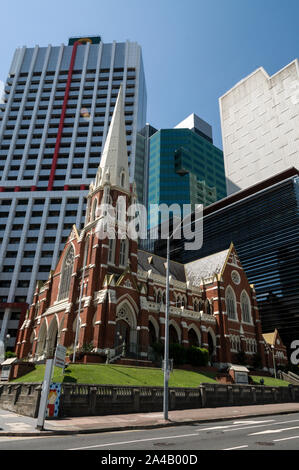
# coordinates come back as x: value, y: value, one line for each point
x: 194, y: 272
x: 206, y: 267
x: 148, y: 261
x: 270, y: 338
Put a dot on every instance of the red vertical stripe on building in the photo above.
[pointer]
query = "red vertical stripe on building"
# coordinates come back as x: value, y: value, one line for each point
x: 62, y: 117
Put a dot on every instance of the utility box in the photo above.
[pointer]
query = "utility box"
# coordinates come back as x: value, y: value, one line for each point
x: 239, y: 374
x: 7, y: 369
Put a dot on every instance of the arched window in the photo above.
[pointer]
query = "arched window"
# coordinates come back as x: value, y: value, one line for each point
x: 94, y: 210
x: 123, y: 253
x: 122, y: 179
x: 66, y: 273
x: 111, y: 251
x: 208, y: 307
x: 193, y: 338
x: 151, y: 334
x: 245, y: 307
x: 230, y: 301
x: 86, y: 248
x: 106, y: 195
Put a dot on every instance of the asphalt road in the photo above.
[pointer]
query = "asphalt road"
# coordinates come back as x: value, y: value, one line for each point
x: 280, y: 432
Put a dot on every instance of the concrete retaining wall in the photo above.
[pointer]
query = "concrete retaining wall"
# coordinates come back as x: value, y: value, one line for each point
x: 88, y: 400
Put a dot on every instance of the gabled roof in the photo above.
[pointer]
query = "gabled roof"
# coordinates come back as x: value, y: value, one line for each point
x: 271, y: 338
x: 206, y: 267
x: 148, y: 261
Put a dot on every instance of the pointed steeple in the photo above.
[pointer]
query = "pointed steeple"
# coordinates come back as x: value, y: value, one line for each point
x: 114, y: 159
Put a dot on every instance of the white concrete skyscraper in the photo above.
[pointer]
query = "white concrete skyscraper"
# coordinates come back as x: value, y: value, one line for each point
x: 58, y: 105
x: 260, y: 126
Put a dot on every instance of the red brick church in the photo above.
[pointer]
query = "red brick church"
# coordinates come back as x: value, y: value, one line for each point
x: 120, y: 290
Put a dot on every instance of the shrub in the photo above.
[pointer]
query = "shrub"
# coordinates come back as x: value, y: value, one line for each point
x: 194, y: 355
x: 158, y: 348
x: 10, y: 354
x: 177, y: 352
x: 197, y: 356
x: 86, y: 348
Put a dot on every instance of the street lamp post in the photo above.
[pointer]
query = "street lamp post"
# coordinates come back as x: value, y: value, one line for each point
x: 166, y: 345
x: 273, y: 355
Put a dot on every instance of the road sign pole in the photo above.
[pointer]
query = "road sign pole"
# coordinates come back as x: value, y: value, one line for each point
x: 44, y: 395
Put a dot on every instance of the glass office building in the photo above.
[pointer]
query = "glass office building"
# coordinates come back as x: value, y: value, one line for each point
x: 142, y: 162
x: 185, y: 167
x: 263, y: 223
x: 58, y: 105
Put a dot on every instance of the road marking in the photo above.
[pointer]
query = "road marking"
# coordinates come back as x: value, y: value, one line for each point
x: 286, y: 438
x: 132, y: 442
x: 233, y: 448
x: 236, y: 423
x: 270, y: 431
x: 261, y: 425
x: 242, y: 421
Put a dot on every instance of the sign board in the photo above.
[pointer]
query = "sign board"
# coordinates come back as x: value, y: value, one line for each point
x: 53, y: 400
x: 6, y: 368
x: 241, y: 377
x: 239, y: 374
x: 5, y: 373
x: 60, y: 356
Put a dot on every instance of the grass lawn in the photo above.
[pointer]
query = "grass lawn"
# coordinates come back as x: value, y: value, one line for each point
x: 111, y: 374
x: 119, y: 375
x: 269, y: 381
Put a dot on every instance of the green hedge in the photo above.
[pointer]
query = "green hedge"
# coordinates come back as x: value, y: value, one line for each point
x: 197, y: 356
x: 194, y: 355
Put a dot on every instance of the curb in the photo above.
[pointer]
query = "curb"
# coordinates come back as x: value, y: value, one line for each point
x: 64, y: 432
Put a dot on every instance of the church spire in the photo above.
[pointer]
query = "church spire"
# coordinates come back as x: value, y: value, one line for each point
x: 114, y: 158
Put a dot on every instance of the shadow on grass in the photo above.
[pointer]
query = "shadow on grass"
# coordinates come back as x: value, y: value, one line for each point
x: 67, y: 379
x: 128, y: 375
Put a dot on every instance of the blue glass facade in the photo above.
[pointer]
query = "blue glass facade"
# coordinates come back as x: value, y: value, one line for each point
x: 184, y: 168
x: 263, y: 224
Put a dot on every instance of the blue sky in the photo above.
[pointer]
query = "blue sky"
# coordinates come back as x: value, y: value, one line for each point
x: 193, y: 50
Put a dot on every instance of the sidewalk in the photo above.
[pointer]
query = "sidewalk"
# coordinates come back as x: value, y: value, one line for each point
x: 12, y: 424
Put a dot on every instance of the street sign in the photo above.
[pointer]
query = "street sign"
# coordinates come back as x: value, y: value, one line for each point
x: 44, y: 395
x: 60, y: 356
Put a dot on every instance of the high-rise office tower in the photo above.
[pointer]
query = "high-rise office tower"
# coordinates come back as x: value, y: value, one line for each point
x: 263, y: 223
x: 184, y: 166
x: 260, y: 126
x: 142, y: 162
x: 53, y: 124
